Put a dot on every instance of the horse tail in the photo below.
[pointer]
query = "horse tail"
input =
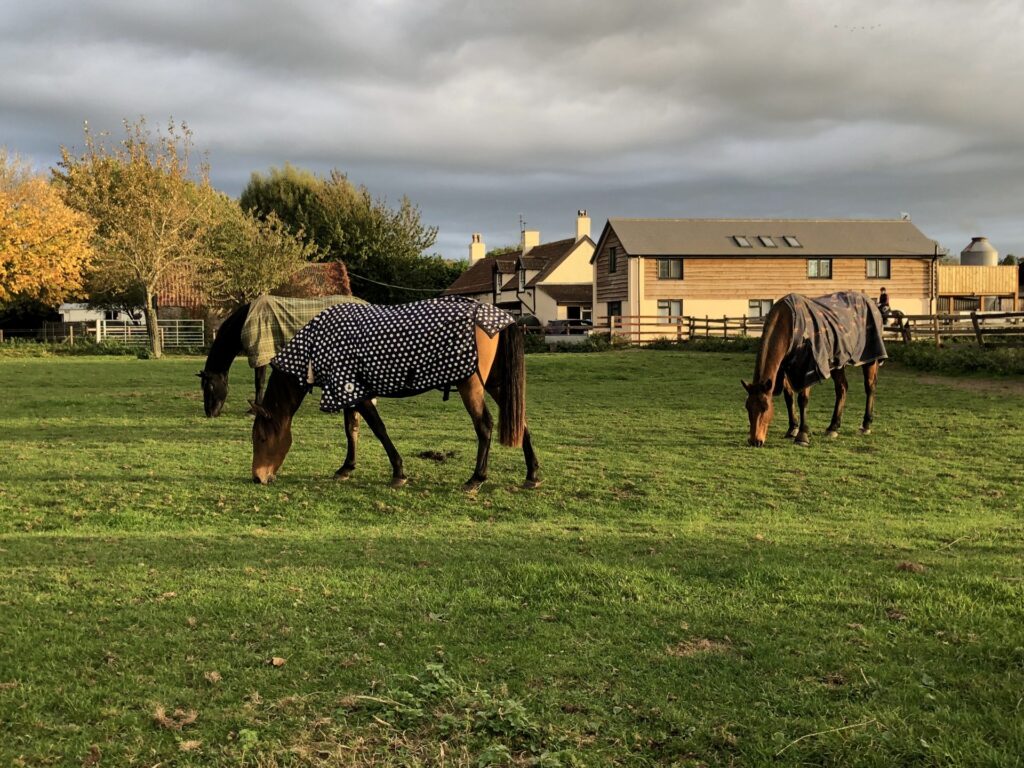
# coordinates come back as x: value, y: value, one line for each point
x: 512, y: 406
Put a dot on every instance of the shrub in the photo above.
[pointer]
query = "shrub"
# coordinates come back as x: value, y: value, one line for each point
x: 967, y: 358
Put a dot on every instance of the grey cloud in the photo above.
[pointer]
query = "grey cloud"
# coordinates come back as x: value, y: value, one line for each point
x: 481, y: 111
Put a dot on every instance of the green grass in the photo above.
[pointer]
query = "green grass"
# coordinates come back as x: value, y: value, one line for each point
x: 668, y: 597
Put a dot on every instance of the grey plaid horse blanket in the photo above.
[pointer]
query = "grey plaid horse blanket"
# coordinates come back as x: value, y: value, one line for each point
x: 273, y: 320
x: 354, y: 352
x: 830, y: 332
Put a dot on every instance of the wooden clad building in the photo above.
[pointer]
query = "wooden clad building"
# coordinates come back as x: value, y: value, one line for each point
x: 659, y: 269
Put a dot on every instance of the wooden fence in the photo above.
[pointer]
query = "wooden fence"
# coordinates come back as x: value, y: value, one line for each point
x: 645, y: 329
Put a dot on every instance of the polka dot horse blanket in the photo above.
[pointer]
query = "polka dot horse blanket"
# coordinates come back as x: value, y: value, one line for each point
x: 354, y: 352
x: 830, y: 332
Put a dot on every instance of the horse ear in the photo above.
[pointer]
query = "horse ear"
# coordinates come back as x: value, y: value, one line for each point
x: 766, y: 386
x: 745, y: 385
x: 200, y: 374
x: 258, y: 410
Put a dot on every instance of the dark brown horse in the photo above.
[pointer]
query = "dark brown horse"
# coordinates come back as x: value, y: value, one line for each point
x: 501, y: 373
x: 227, y: 345
x: 777, y: 343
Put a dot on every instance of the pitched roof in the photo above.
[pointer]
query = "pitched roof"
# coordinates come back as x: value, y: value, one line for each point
x: 581, y: 293
x: 479, y: 278
x: 816, y: 237
x: 568, y: 246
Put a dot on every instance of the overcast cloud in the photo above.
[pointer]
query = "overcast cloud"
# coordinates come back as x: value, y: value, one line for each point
x: 482, y: 111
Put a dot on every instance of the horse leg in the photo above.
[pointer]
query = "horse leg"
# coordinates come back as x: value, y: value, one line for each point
x: 352, y: 438
x: 532, y: 464
x: 368, y: 411
x: 787, y: 394
x: 803, y: 437
x: 870, y: 384
x: 472, y: 393
x: 839, y: 378
x: 261, y: 384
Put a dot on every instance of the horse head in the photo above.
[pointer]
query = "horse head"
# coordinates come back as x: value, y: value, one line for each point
x: 271, y: 440
x: 760, y: 409
x: 215, y: 391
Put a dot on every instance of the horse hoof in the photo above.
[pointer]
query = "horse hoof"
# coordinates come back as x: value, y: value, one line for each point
x: 832, y: 433
x: 865, y: 430
x: 398, y: 482
x: 791, y: 434
x: 803, y: 442
x: 343, y: 474
x: 529, y: 485
x: 472, y: 486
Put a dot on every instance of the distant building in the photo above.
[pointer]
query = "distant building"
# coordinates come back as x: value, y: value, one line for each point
x: 660, y: 269
x: 549, y: 281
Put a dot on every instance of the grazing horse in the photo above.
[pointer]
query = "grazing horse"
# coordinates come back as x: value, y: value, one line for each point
x: 259, y: 329
x: 344, y: 353
x: 805, y: 341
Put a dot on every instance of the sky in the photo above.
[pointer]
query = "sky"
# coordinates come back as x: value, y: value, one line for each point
x: 483, y: 113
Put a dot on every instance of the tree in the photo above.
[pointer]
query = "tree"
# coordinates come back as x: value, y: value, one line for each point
x: 250, y: 256
x: 1009, y: 260
x: 383, y: 247
x: 151, y: 204
x: 44, y: 244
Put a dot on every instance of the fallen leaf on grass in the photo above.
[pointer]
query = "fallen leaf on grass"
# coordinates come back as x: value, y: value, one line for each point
x: 189, y: 746
x: 911, y: 567
x: 9, y: 685
x: 212, y: 676
x: 176, y: 720
x: 277, y: 661
x: 93, y: 758
x: 894, y: 615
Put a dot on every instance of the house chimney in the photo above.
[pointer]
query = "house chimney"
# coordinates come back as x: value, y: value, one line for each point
x: 477, y: 249
x: 582, y: 224
x: 531, y: 237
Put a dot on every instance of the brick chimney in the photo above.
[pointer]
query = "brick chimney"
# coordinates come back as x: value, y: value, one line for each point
x: 477, y: 249
x: 582, y: 224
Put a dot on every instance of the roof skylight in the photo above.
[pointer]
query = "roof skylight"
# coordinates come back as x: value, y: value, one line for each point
x: 792, y: 242
x: 741, y: 241
x: 766, y: 241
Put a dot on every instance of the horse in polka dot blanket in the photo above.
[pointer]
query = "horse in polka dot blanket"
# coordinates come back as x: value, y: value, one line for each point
x: 355, y: 353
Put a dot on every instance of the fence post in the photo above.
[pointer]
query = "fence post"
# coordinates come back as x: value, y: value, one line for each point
x: 977, y: 328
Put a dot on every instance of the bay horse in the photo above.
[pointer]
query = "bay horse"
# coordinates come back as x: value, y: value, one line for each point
x: 501, y: 373
x: 774, y: 371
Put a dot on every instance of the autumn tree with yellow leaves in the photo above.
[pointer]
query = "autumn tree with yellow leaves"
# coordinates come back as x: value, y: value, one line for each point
x: 152, y: 204
x: 44, y: 244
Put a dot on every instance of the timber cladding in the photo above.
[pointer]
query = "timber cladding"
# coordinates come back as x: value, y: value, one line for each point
x: 612, y: 286
x: 707, y: 277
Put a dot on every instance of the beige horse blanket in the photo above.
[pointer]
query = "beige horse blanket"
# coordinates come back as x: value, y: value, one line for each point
x: 273, y: 321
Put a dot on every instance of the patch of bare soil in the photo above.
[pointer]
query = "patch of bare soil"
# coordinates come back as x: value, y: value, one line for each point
x: 697, y: 646
x: 970, y: 384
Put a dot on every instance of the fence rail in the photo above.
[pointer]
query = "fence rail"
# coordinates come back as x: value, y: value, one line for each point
x: 174, y: 334
x: 644, y: 329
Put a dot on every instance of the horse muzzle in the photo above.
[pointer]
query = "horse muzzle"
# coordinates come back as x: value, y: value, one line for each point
x: 755, y: 443
x: 263, y: 478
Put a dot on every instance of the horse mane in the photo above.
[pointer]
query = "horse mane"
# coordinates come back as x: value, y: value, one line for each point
x: 775, y: 341
x: 283, y: 397
x: 228, y: 341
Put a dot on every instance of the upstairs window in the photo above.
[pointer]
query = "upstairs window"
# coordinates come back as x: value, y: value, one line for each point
x: 759, y: 308
x: 613, y: 258
x: 766, y: 241
x: 792, y: 242
x: 878, y: 268
x: 741, y: 241
x: 819, y: 269
x: 522, y: 279
x: 497, y: 282
x: 670, y: 269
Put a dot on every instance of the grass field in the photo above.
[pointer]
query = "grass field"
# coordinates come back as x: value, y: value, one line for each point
x: 668, y: 597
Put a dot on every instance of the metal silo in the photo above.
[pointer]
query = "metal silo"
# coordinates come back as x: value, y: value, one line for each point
x: 979, y: 253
